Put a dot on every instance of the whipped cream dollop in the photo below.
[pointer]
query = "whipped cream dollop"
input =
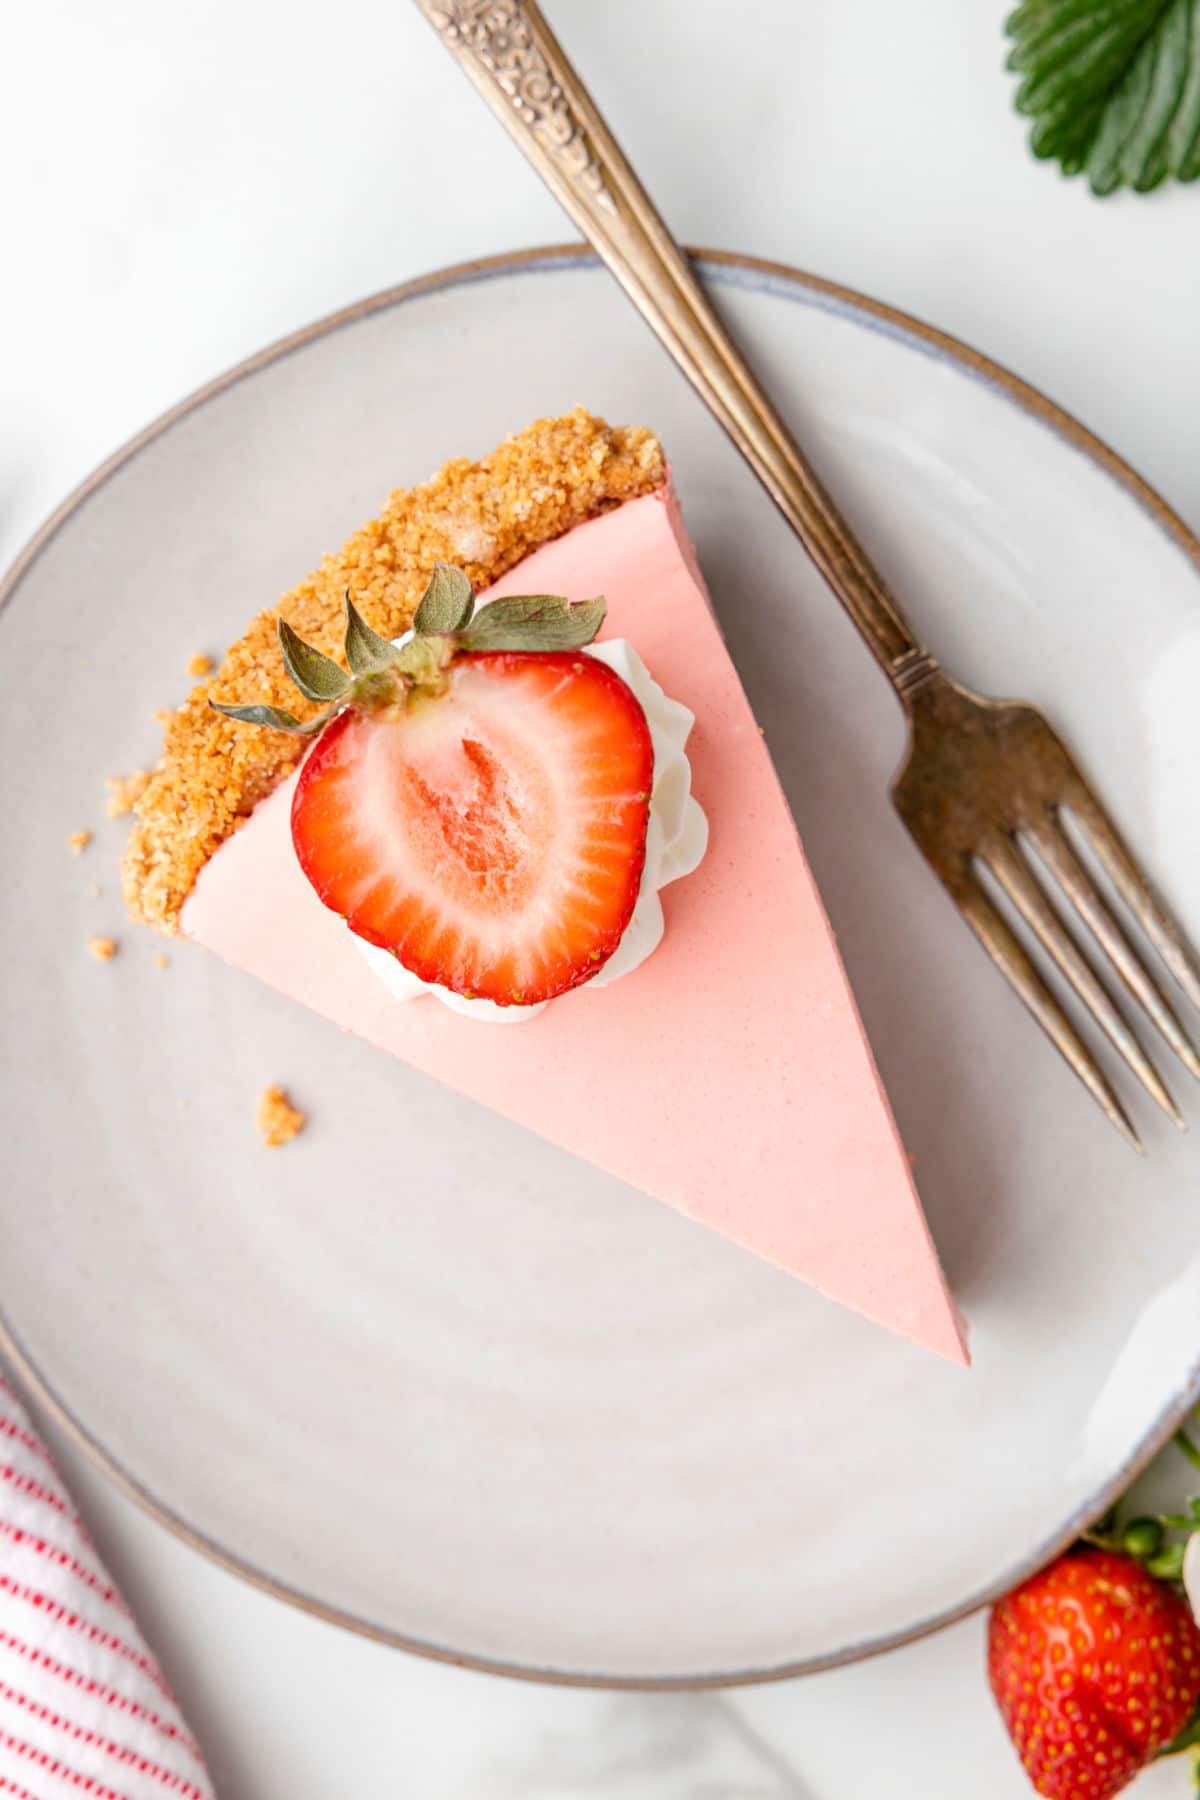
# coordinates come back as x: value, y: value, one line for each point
x: 676, y: 839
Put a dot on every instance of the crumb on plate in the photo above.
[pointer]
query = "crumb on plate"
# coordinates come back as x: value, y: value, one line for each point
x: 94, y: 891
x: 200, y: 665
x: 277, y: 1118
x: 124, y: 792
x: 161, y: 961
x: 102, y: 948
x: 78, y: 842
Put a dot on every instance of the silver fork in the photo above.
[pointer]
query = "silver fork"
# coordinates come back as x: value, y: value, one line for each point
x: 985, y: 784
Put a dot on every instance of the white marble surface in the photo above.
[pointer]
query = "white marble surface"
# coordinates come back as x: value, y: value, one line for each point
x: 178, y: 186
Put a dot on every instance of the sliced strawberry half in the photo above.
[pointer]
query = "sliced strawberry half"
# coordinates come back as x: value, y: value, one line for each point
x: 492, y: 835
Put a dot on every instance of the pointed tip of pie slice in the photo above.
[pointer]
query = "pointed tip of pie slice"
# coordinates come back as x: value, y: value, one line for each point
x: 884, y: 1266
x: 957, y: 1347
x: 729, y: 1076
x: 914, y: 1302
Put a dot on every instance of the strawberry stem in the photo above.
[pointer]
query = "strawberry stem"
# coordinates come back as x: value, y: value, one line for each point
x: 383, y: 674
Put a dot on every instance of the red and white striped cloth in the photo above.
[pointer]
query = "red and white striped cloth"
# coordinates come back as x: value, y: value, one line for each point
x: 84, y: 1708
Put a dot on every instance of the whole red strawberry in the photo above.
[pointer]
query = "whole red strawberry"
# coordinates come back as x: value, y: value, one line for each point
x: 1095, y: 1667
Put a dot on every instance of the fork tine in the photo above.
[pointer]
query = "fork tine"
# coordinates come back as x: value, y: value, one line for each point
x: 1017, y: 879
x: 1062, y: 862
x: 1002, y: 946
x: 1133, y: 888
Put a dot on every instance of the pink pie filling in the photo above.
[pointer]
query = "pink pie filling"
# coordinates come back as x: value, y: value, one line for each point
x: 644, y: 1076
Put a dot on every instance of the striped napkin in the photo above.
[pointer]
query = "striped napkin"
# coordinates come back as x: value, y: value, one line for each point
x: 84, y: 1708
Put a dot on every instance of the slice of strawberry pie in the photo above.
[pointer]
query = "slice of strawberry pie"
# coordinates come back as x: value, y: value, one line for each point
x: 519, y: 725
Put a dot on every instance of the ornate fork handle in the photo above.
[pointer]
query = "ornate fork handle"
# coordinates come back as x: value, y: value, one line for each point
x: 512, y: 57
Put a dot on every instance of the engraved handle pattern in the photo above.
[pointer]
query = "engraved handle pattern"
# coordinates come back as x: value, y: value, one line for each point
x: 512, y: 57
x: 499, y: 35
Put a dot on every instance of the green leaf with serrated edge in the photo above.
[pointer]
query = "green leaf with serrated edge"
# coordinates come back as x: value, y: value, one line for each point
x: 1073, y: 73
x: 272, y: 716
x: 1112, y: 87
x: 318, y: 677
x: 1140, y: 154
x: 1120, y: 120
x: 1077, y: 69
x: 366, y: 651
x: 1153, y: 174
x: 447, y: 603
x: 534, y: 622
x: 1183, y: 135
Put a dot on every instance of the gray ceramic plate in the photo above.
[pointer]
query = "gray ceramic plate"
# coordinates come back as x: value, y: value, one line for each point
x: 421, y: 1372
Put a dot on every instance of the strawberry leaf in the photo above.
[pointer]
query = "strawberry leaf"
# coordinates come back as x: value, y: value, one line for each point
x: 534, y: 622
x: 366, y: 651
x: 447, y: 603
x: 1168, y: 1564
x: 318, y: 677
x: 274, y: 717
x: 1112, y: 87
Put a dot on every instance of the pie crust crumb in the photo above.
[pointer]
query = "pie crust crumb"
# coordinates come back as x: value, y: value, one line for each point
x: 277, y: 1118
x: 102, y: 948
x: 78, y: 842
x: 200, y: 665
x: 124, y: 792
